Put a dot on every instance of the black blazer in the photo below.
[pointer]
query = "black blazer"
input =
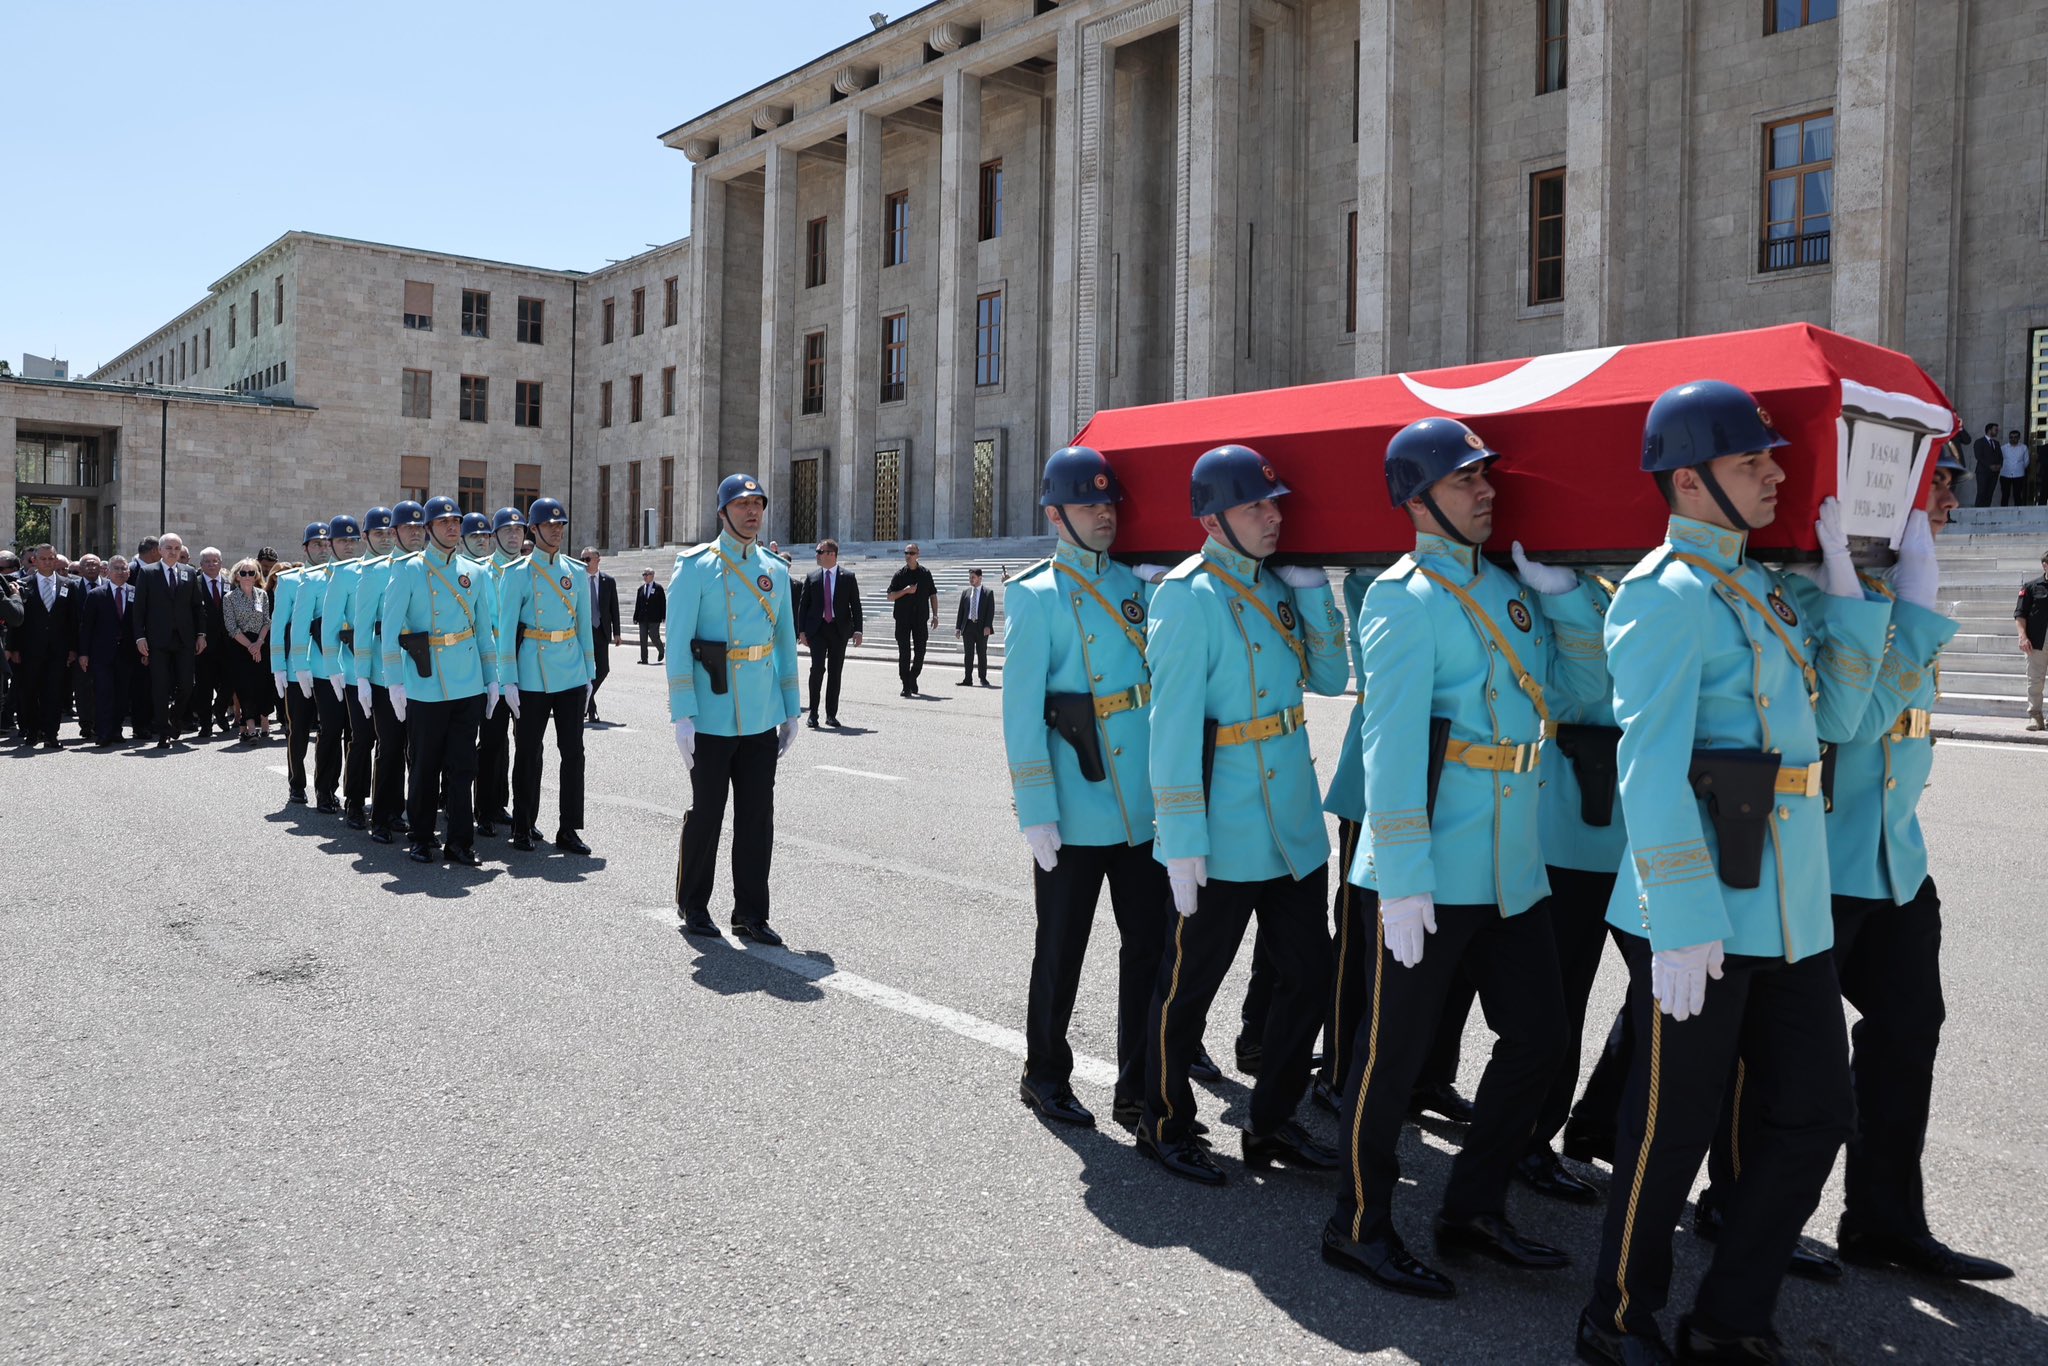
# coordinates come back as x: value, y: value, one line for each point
x: 104, y: 634
x: 216, y: 627
x: 650, y: 603
x: 1988, y: 452
x: 169, y: 608
x: 810, y: 607
x: 986, y: 618
x: 607, y: 623
x: 45, y: 631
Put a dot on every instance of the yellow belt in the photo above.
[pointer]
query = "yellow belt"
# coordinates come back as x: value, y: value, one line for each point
x: 1803, y: 781
x: 528, y: 633
x: 1912, y: 724
x: 444, y: 641
x: 1130, y: 699
x: 1498, y: 758
x: 749, y: 652
x: 1263, y: 727
x: 1359, y: 697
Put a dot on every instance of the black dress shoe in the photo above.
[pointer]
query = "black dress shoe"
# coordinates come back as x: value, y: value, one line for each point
x: 1541, y: 1171
x: 1250, y: 1054
x: 1326, y: 1095
x: 400, y: 824
x: 1056, y: 1103
x: 1385, y: 1262
x: 379, y: 835
x: 832, y: 721
x: 967, y: 682
x: 1601, y: 1346
x: 1442, y: 1100
x: 421, y: 853
x: 1203, y: 1067
x: 327, y: 806
x: 757, y: 931
x: 1581, y: 1144
x: 485, y: 830
x: 566, y: 841
x: 699, y: 925
x: 1805, y: 1263
x: 907, y: 692
x: 1923, y: 1253
x: 533, y: 834
x: 463, y: 855
x: 1187, y: 1158
x: 1129, y: 1112
x: 590, y: 719
x: 53, y: 744
x: 298, y: 797
x: 164, y: 744
x: 523, y: 842
x: 499, y: 817
x: 1696, y: 1344
x: 1491, y: 1235
x: 1290, y: 1146
x: 812, y: 721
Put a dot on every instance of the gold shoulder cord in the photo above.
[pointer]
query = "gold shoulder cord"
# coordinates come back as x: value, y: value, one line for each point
x: 467, y: 615
x: 1734, y: 586
x: 748, y: 580
x: 1300, y: 652
x: 1090, y: 589
x: 1523, y: 679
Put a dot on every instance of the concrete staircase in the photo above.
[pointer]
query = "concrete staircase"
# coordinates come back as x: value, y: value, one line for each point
x: 1985, y: 556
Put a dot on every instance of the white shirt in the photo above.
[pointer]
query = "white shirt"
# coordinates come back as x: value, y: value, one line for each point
x: 2015, y: 460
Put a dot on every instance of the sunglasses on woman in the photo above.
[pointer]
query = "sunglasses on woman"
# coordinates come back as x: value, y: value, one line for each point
x: 245, y: 573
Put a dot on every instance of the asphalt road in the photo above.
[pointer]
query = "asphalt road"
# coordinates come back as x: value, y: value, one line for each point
x: 274, y: 1094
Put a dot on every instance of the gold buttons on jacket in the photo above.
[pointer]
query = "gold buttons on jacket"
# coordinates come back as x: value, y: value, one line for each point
x: 1089, y: 639
x: 1118, y: 751
x: 1262, y: 692
x: 1890, y: 783
x: 1763, y: 702
x: 1507, y: 792
x: 1096, y: 677
x: 1784, y: 813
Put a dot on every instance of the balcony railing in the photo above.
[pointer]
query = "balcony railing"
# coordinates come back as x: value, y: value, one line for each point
x: 1790, y: 253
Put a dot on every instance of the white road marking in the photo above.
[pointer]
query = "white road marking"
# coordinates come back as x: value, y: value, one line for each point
x: 857, y: 772
x: 278, y: 769
x: 2009, y: 746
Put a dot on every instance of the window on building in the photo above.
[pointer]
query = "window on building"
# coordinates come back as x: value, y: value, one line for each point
x: 529, y: 320
x: 419, y: 306
x: 1351, y: 271
x: 469, y: 486
x: 474, y: 399
x: 896, y: 228
x: 415, y: 475
x: 1782, y: 16
x: 988, y: 338
x: 278, y: 316
x: 1546, y: 236
x: 668, y: 391
x: 416, y: 393
x: 895, y: 358
x: 640, y: 311
x: 1799, y: 191
x: 888, y: 493
x: 803, y: 500
x: 526, y: 403
x: 604, y: 404
x: 814, y: 372
x: 231, y: 327
x: 633, y: 398
x: 983, y: 520
x: 814, y: 252
x: 604, y: 506
x: 181, y: 360
x: 208, y: 364
x: 1550, y: 45
x: 525, y: 486
x: 668, y: 499
x: 255, y: 312
x: 476, y: 313
x: 668, y: 301
x: 991, y: 199
x: 1356, y: 54
x: 609, y: 309
x: 633, y: 504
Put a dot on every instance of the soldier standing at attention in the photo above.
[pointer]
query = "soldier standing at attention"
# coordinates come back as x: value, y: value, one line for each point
x: 443, y: 667
x: 309, y: 660
x: 298, y: 702
x: 1076, y: 708
x: 337, y: 610
x: 1724, y: 701
x: 1234, y: 645
x: 386, y: 529
x: 494, y: 740
x: 544, y: 628
x: 733, y: 698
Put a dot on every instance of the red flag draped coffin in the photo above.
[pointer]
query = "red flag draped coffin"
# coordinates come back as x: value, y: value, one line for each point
x: 1863, y: 420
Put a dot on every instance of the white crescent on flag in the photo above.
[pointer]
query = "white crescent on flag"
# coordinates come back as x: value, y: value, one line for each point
x: 1527, y: 384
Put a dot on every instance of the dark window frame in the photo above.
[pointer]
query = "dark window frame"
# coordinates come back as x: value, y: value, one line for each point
x: 895, y: 229
x: 670, y: 293
x: 526, y: 403
x: 1552, y: 14
x: 895, y: 357
x: 1539, y: 258
x: 988, y: 339
x: 604, y: 403
x: 473, y: 399
x: 532, y: 320
x: 636, y: 388
x: 1807, y: 18
x: 640, y: 311
x: 1351, y: 272
x: 476, y: 313
x: 1801, y: 246
x: 817, y: 251
x: 610, y: 317
x: 668, y: 391
x: 813, y: 402
x: 990, y: 213
x: 413, y: 386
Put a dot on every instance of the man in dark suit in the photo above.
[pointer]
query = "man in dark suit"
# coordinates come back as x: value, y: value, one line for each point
x: 604, y: 623
x: 106, y: 650
x: 650, y: 610
x: 10, y: 617
x: 170, y: 634
x: 827, y: 617
x: 974, y: 624
x: 42, y: 649
x: 1990, y: 460
x: 213, y: 692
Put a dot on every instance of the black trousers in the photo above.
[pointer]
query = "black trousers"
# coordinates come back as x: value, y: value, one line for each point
x: 1987, y: 482
x: 536, y: 709
x: 2012, y: 492
x: 1142, y: 900
x: 387, y: 780
x: 494, y: 759
x: 650, y: 634
x: 601, y: 647
x: 443, y: 742
x: 1199, y: 952
x: 212, y: 688
x: 1513, y: 962
x: 170, y: 679
x: 973, y: 646
x: 911, y: 637
x: 141, y: 705
x: 39, y: 685
x: 334, y: 733
x: 111, y: 688
x: 362, y: 751
x: 81, y: 697
x: 299, y: 712
x: 1357, y: 944
x: 1578, y: 923
x: 828, y: 662
x: 1785, y: 1021
x: 742, y: 766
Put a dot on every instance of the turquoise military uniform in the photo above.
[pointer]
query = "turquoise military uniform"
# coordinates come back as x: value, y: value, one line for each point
x: 1875, y: 848
x: 1345, y: 798
x: 1075, y: 624
x: 1695, y: 666
x: 447, y: 596
x: 307, y: 655
x: 1424, y: 657
x: 366, y: 615
x: 1568, y: 842
x: 284, y: 593
x: 1260, y: 817
x: 543, y: 635
x: 337, y: 614
x: 739, y: 600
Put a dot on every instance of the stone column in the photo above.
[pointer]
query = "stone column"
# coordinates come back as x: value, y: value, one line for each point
x: 1873, y: 86
x: 7, y: 528
x: 1059, y: 253
x: 778, y: 331
x: 1216, y: 99
x: 1459, y: 205
x: 959, y: 272
x: 1383, y: 207
x: 859, y: 341
x: 707, y: 308
x: 1597, y: 110
x: 1663, y: 275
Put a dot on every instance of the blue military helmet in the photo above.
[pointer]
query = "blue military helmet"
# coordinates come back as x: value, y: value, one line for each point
x: 1078, y: 476
x: 408, y: 513
x: 1231, y: 476
x: 1703, y: 421
x: 344, y: 528
x: 475, y: 524
x: 1948, y: 459
x: 1423, y: 452
x: 437, y: 508
x: 505, y: 517
x: 377, y: 519
x: 735, y: 486
x: 546, y: 512
x: 315, y: 531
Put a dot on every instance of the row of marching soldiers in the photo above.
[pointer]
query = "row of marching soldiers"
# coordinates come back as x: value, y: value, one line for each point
x: 424, y: 645
x: 1534, y: 763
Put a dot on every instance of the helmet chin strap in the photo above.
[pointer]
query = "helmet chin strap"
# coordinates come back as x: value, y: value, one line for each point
x: 1721, y: 498
x: 1074, y: 532
x: 1450, y: 528
x: 725, y: 518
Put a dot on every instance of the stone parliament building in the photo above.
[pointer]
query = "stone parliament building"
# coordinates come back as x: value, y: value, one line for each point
x: 921, y: 261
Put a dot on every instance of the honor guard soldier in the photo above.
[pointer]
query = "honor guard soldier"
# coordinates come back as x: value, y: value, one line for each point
x: 443, y: 669
x: 477, y: 542
x: 339, y: 654
x: 494, y: 741
x: 1076, y: 706
x: 549, y: 661
x: 1727, y: 680
x: 382, y: 527
x: 307, y: 659
x: 299, y: 712
x: 1456, y: 660
x: 733, y: 698
x: 1234, y: 645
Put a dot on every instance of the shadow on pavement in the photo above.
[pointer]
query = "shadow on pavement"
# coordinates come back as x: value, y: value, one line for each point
x: 730, y: 970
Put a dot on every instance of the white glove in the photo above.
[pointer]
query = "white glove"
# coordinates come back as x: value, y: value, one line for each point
x: 1302, y: 575
x: 1678, y: 977
x: 1150, y: 573
x: 1404, y: 921
x: 510, y: 692
x: 490, y: 698
x: 785, y: 737
x: 283, y: 685
x: 1186, y: 874
x: 1837, y: 575
x: 306, y: 683
x: 1918, y: 577
x: 396, y: 695
x: 1547, y: 579
x: 686, y: 742
x: 1045, y: 844
x: 363, y: 696
x: 334, y: 682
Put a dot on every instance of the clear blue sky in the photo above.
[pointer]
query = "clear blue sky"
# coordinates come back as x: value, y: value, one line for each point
x: 150, y: 148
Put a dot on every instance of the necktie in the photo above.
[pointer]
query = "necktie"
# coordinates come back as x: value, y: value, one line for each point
x: 49, y: 591
x: 121, y: 604
x: 828, y: 595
